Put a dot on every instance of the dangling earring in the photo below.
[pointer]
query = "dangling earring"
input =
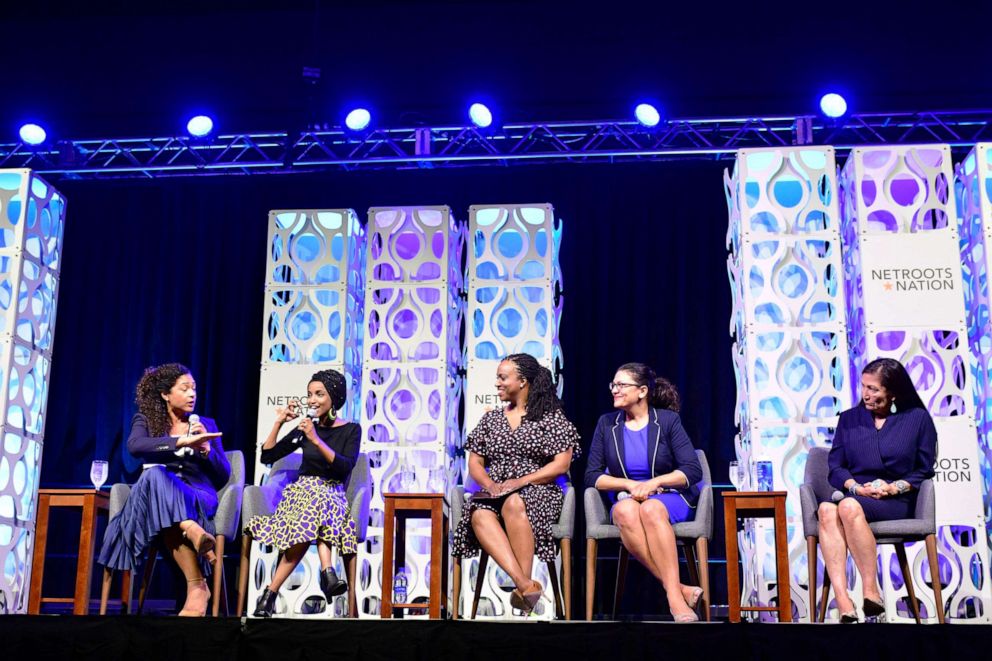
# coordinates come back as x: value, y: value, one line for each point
x: 892, y: 409
x: 332, y: 414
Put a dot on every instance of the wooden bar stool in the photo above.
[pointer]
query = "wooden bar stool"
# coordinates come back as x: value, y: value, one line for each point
x: 757, y: 504
x: 399, y: 507
x: 92, y: 503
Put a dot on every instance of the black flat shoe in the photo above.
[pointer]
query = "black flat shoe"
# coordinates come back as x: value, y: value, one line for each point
x: 872, y: 608
x: 849, y: 618
x: 331, y: 585
x: 266, y: 604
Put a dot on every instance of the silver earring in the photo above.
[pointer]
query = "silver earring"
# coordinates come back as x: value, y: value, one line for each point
x: 892, y: 408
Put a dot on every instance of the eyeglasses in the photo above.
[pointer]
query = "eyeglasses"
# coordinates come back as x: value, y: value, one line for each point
x: 616, y: 387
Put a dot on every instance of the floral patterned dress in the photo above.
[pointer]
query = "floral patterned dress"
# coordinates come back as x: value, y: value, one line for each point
x: 512, y: 453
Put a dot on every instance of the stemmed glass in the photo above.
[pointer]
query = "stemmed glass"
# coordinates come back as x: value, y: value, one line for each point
x: 98, y: 473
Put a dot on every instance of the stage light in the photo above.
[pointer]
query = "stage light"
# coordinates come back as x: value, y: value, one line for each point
x: 358, y: 119
x: 647, y: 114
x: 32, y: 134
x: 480, y: 115
x: 833, y: 105
x: 200, y: 126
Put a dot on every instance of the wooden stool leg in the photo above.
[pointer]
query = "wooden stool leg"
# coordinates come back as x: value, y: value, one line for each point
x: 907, y: 578
x: 218, y: 576
x: 621, y: 577
x: 351, y: 567
x: 108, y: 577
x: 783, y: 578
x: 480, y: 577
x: 811, y: 573
x: 456, y: 588
x: 566, y: 578
x: 591, y: 548
x: 703, y: 557
x: 824, y: 596
x: 690, y: 563
x: 243, y: 574
x: 934, y: 561
x: 556, y: 589
x: 733, y: 575
x: 146, y: 578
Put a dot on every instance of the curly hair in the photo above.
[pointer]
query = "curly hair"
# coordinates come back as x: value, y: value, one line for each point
x: 335, y: 385
x: 542, y: 398
x: 154, y: 382
x: 662, y: 393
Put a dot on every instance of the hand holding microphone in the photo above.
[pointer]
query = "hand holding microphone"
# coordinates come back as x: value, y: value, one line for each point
x: 306, y: 428
x: 197, y: 438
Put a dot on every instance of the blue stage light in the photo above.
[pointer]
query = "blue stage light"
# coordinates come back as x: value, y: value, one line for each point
x: 480, y: 115
x: 833, y: 105
x: 647, y: 114
x: 32, y: 134
x: 358, y: 119
x: 200, y: 126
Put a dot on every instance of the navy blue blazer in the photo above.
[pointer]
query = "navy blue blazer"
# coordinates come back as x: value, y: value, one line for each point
x: 208, y: 473
x: 668, y: 446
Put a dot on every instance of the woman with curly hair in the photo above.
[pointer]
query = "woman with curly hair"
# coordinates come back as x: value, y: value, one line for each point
x: 518, y: 453
x: 642, y: 453
x: 313, y: 507
x: 175, y: 499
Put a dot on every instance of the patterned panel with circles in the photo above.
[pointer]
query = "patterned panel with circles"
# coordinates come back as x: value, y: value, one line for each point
x: 32, y: 220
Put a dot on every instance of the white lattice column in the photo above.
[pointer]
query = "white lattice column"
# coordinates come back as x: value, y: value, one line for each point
x: 411, y: 384
x: 32, y: 219
x: 973, y: 186
x: 790, y: 349
x: 904, y: 274
x: 314, y: 296
x: 514, y: 306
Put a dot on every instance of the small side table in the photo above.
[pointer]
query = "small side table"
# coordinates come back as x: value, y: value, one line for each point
x: 91, y: 502
x: 399, y: 507
x: 757, y: 504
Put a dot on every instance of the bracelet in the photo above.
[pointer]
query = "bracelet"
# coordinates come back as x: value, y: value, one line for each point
x: 902, y: 485
x: 853, y: 489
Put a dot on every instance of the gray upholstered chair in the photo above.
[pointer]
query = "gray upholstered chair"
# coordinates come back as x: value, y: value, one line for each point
x: 562, y: 531
x: 922, y: 527
x: 693, y: 536
x: 263, y: 500
x: 226, y: 524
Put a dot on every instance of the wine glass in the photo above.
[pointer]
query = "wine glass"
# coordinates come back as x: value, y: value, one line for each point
x: 98, y: 473
x: 736, y: 475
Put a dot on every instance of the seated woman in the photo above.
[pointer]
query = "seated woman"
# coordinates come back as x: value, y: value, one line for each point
x: 175, y: 499
x: 882, y: 450
x: 643, y: 453
x: 517, y: 454
x: 313, y: 507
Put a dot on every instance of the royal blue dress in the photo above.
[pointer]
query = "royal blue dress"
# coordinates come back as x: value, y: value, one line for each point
x: 905, y: 448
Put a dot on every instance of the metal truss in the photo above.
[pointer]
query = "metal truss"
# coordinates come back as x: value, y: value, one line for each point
x: 430, y: 147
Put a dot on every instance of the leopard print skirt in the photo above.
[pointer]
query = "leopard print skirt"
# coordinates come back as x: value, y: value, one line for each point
x: 311, y: 509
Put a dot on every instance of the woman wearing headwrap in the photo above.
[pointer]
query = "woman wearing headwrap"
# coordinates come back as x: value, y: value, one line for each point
x: 313, y: 507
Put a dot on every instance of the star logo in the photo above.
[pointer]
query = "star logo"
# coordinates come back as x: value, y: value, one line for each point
x: 888, y: 286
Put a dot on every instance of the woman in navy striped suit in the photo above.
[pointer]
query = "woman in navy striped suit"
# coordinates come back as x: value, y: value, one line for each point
x: 882, y: 451
x: 642, y: 457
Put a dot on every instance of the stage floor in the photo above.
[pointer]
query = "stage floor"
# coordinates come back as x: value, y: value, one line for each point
x: 29, y: 638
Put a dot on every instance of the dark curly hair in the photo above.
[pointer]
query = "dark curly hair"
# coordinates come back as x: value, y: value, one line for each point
x: 154, y: 382
x: 336, y: 386
x: 542, y: 398
x: 662, y: 393
x: 897, y: 381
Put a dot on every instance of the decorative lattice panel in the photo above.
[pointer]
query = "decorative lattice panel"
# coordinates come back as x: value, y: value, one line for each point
x: 32, y: 219
x: 411, y: 383
x: 790, y: 349
x: 904, y: 275
x: 314, y: 298
x: 514, y: 306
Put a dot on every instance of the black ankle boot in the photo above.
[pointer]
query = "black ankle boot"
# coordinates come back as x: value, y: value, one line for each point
x: 265, y: 604
x: 331, y: 585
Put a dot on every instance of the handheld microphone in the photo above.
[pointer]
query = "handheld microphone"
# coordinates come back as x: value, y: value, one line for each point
x: 299, y: 436
x: 836, y: 496
x: 193, y: 419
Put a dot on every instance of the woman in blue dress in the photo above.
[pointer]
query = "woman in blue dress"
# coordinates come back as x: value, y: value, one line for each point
x: 882, y: 450
x: 643, y: 458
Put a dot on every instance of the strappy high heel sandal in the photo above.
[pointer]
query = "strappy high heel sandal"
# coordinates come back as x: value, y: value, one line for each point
x: 188, y: 612
x: 201, y: 541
